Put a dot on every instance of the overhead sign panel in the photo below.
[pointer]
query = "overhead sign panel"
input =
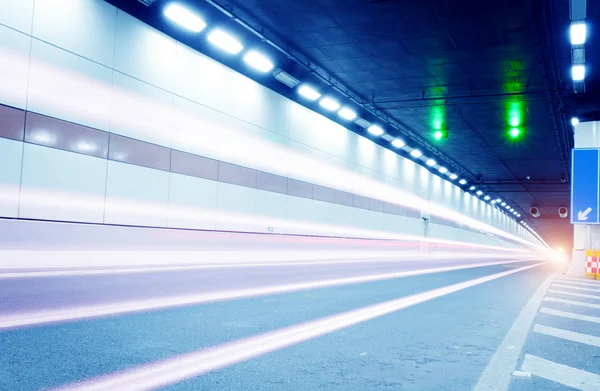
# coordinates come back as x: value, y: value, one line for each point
x: 585, y: 192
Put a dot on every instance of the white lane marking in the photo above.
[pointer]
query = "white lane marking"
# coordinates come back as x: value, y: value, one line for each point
x: 176, y: 369
x: 579, y: 280
x: 577, y: 288
x: 497, y: 374
x: 92, y: 311
x: 155, y: 269
x: 521, y: 374
x: 572, y: 302
x: 563, y: 281
x: 568, y: 335
x: 570, y: 315
x: 560, y: 373
x: 574, y: 294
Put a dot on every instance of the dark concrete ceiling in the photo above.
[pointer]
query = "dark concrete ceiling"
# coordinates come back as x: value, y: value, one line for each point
x: 469, y: 63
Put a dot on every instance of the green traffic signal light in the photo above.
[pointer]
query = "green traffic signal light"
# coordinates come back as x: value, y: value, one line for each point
x: 440, y: 134
x: 514, y: 133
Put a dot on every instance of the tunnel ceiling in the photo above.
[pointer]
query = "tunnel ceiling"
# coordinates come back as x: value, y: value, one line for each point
x: 478, y: 67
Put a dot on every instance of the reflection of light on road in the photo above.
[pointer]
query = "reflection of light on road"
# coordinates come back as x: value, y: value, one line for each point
x: 173, y: 370
x: 93, y: 311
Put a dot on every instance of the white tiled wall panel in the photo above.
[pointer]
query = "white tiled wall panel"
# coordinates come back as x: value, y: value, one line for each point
x: 270, y: 210
x: 17, y: 14
x: 69, y: 87
x: 84, y: 27
x: 141, y: 111
x: 144, y: 53
x: 192, y: 202
x: 235, y: 207
x: 14, y: 66
x: 60, y: 185
x: 11, y: 154
x: 136, y: 195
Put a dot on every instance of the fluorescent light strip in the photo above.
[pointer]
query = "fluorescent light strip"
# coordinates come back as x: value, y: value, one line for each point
x: 258, y: 61
x: 416, y: 153
x: 308, y: 92
x: 94, y: 311
x: 225, y: 41
x: 578, y: 33
x: 184, y: 17
x: 329, y: 104
x: 375, y: 130
x: 398, y: 143
x: 346, y: 113
x: 172, y: 370
x: 578, y: 72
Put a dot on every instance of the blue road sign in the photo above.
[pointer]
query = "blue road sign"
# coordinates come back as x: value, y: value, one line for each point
x: 585, y: 203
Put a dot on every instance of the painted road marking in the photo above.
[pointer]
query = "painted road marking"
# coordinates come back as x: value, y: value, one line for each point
x: 576, y: 288
x: 176, y: 369
x: 497, y: 373
x: 563, y: 281
x: 572, y: 302
x: 578, y: 279
x: 559, y: 373
x: 597, y: 297
x: 568, y: 335
x: 93, y: 311
x: 570, y: 315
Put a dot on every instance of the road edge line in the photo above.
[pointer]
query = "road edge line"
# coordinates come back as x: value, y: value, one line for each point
x: 499, y: 370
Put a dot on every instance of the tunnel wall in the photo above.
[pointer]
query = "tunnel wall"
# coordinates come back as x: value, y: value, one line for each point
x: 107, y: 120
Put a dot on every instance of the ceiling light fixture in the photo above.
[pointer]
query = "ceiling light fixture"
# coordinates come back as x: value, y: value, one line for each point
x: 453, y: 176
x: 184, y: 17
x: 578, y: 33
x: 479, y: 192
x: 463, y: 181
x: 258, y: 61
x: 329, y: 104
x: 443, y: 170
x: 308, y: 92
x: 398, y: 143
x: 346, y: 113
x: 375, y: 130
x: 225, y: 41
x: 431, y: 162
x: 574, y: 121
x: 487, y: 198
x: 578, y: 72
x: 416, y: 153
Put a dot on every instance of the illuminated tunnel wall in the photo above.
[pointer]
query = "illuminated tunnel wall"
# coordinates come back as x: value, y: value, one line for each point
x: 106, y: 120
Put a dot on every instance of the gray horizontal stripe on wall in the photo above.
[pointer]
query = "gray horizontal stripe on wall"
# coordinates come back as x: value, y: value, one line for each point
x: 12, y: 123
x: 322, y: 193
x: 361, y: 202
x: 376, y: 205
x: 344, y: 198
x: 139, y: 153
x: 299, y: 188
x: 194, y: 165
x: 271, y: 182
x: 55, y: 133
x: 237, y: 175
x: 26, y: 126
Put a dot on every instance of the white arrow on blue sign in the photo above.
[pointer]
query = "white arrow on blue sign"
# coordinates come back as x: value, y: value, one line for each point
x: 585, y: 202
